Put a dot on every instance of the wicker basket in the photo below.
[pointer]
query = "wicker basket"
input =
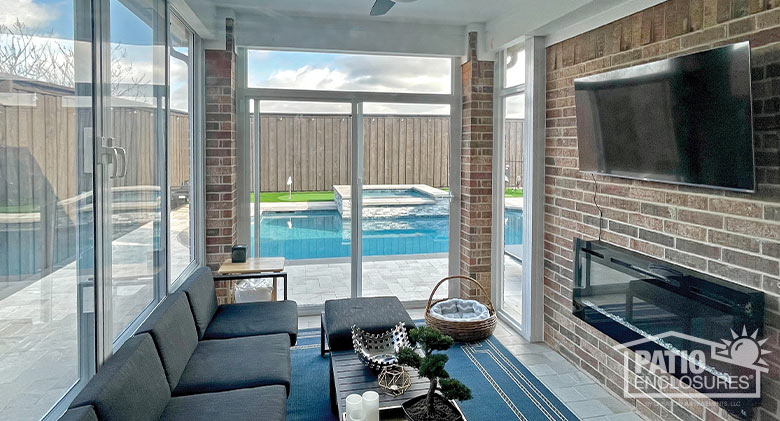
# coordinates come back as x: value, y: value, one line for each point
x: 462, y: 331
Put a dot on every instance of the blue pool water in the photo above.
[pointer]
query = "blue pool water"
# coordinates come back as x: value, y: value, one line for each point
x: 323, y: 234
x: 392, y: 193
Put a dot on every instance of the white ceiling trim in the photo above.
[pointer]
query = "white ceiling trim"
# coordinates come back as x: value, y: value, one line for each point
x: 359, y: 36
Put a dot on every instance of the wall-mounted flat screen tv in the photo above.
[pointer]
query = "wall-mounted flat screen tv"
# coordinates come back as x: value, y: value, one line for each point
x: 685, y: 120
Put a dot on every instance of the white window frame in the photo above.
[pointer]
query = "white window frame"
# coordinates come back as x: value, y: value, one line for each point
x: 531, y: 325
x: 197, y: 131
x: 356, y: 99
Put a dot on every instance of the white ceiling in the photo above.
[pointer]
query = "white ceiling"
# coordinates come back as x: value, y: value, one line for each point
x: 298, y: 23
x: 450, y: 12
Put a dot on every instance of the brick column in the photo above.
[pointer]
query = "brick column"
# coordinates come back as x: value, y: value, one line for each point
x: 476, y: 171
x: 221, y: 170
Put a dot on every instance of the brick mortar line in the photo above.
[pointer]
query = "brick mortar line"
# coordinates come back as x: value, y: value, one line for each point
x: 656, y: 189
x: 704, y: 211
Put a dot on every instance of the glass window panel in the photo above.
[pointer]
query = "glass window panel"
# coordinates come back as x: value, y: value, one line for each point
x: 406, y: 204
x: 515, y: 66
x: 136, y: 123
x: 348, y: 72
x: 46, y: 218
x: 514, y: 114
x: 180, y: 142
x: 305, y: 152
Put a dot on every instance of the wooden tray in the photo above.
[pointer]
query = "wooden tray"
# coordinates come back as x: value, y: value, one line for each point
x: 391, y: 413
x: 396, y: 413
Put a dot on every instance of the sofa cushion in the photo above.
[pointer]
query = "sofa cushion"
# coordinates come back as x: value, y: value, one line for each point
x: 372, y: 314
x: 173, y: 330
x: 202, y: 295
x: 131, y: 385
x: 250, y: 319
x: 260, y: 403
x: 227, y: 364
x: 82, y: 413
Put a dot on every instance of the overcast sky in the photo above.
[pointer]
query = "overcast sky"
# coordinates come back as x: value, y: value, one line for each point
x: 349, y: 72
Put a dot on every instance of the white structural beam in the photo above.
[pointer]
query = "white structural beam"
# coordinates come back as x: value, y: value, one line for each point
x: 328, y: 34
x: 533, y: 190
x: 511, y: 28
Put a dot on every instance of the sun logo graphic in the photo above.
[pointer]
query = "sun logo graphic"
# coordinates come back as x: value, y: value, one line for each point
x: 744, y: 350
x: 729, y: 369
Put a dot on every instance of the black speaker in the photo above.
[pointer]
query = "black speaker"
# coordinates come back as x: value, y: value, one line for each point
x: 238, y: 255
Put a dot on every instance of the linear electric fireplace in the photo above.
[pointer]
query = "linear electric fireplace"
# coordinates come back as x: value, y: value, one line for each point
x: 637, y: 299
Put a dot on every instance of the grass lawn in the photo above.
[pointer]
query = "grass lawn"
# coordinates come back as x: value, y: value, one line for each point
x: 327, y: 196
x: 513, y: 193
x: 20, y: 209
x: 300, y: 196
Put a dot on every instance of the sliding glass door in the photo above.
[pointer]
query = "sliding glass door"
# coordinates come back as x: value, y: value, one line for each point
x: 406, y: 199
x: 46, y: 215
x: 133, y: 149
x: 303, y: 150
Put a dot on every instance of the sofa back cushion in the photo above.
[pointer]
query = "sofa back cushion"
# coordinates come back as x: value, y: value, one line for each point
x: 131, y: 385
x: 172, y: 327
x: 202, y: 294
x: 82, y: 413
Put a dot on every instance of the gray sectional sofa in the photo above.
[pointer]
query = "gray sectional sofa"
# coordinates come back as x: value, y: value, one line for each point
x: 195, y: 360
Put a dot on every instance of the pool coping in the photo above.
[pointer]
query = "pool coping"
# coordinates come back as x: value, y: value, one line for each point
x: 345, y: 192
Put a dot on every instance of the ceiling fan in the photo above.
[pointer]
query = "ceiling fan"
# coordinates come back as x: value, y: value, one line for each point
x: 383, y: 6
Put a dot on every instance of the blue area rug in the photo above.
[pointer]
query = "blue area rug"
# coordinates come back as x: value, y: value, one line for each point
x: 502, y: 387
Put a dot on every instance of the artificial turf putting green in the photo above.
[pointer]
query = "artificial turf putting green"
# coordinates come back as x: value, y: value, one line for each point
x: 327, y: 196
x: 300, y: 196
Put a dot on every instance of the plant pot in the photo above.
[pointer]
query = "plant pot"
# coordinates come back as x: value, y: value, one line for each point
x: 446, y: 410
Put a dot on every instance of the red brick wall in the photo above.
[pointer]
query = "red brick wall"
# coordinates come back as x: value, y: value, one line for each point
x: 221, y: 174
x: 729, y: 235
x: 476, y: 171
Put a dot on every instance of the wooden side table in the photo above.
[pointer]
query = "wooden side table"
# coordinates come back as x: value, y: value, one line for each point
x: 254, y: 268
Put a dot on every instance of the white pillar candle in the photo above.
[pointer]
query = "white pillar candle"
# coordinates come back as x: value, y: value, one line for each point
x: 354, y: 403
x: 371, y: 405
x: 357, y: 415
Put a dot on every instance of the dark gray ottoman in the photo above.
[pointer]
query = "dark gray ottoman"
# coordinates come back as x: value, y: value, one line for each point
x: 372, y: 314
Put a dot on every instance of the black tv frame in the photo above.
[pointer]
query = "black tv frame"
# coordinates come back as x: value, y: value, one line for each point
x: 641, y: 69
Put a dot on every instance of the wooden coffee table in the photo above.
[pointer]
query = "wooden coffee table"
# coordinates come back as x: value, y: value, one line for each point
x: 349, y: 375
x: 255, y: 268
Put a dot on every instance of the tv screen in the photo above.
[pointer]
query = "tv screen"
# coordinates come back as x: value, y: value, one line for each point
x: 685, y: 120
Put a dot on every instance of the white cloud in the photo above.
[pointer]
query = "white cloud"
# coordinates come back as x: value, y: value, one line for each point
x: 308, y: 77
x: 362, y: 73
x: 27, y: 12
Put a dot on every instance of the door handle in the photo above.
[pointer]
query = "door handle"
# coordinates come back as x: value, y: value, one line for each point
x: 118, y: 157
x: 121, y: 154
x: 114, y: 161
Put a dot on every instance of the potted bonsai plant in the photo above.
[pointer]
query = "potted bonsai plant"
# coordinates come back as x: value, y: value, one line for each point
x: 433, y: 406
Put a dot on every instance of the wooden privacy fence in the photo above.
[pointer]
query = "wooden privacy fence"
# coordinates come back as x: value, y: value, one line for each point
x: 513, y: 155
x: 316, y: 150
x: 42, y: 166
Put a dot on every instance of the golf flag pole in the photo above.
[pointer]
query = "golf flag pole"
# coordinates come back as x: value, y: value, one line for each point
x: 289, y: 187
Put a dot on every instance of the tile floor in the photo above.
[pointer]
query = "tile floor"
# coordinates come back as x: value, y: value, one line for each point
x: 587, y: 399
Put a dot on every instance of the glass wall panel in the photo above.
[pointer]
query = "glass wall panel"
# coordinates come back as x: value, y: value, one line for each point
x: 406, y: 199
x: 46, y: 218
x: 180, y: 147
x: 514, y: 115
x: 515, y: 66
x: 136, y: 125
x: 348, y: 72
x: 305, y: 169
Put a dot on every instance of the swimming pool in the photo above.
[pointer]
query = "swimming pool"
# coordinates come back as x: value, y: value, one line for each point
x: 323, y: 234
x: 393, y: 193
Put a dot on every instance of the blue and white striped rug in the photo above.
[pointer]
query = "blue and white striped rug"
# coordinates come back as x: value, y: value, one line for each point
x: 502, y: 388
